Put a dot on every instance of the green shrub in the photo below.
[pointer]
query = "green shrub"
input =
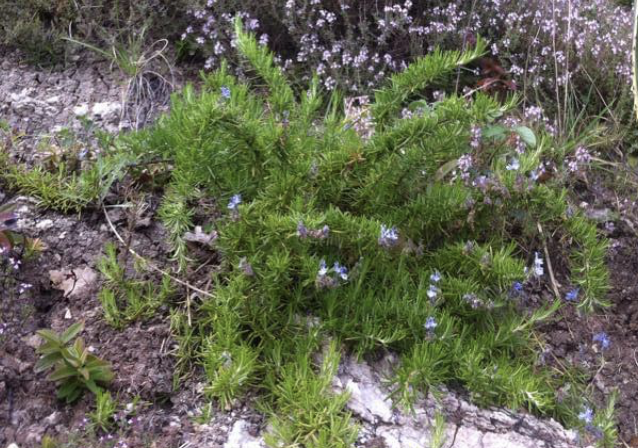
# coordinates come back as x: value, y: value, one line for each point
x: 414, y: 239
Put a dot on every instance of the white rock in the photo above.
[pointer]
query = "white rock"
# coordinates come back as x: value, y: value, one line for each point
x: 369, y: 402
x: 239, y: 437
x: 44, y: 224
x: 105, y: 109
x: 81, y: 110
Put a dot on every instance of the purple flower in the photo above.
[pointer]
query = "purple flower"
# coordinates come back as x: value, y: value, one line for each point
x: 320, y: 234
x: 572, y: 295
x: 604, y: 340
x: 389, y: 236
x: 225, y: 92
x: 435, y: 277
x: 475, y: 137
x: 586, y: 416
x: 246, y: 267
x: 517, y: 287
x: 302, y: 231
x: 234, y: 202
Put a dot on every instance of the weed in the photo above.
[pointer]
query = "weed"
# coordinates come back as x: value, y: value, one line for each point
x: 438, y: 431
x: 124, y: 300
x: 105, y: 408
x: 75, y: 368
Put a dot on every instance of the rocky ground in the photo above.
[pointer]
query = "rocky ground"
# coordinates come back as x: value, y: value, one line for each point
x: 65, y: 284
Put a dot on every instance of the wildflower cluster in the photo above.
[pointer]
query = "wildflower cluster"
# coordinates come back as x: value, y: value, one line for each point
x: 543, y: 45
x: 319, y: 234
x: 325, y: 280
x: 389, y: 237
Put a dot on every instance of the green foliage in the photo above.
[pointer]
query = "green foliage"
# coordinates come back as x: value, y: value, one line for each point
x: 308, y: 413
x: 62, y: 183
x: 74, y: 367
x: 105, y: 409
x: 38, y: 27
x: 439, y: 427
x: 124, y: 300
x: 314, y: 191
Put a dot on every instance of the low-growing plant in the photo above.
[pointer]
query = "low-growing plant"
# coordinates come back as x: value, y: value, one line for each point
x: 74, y: 367
x: 105, y: 408
x: 423, y: 235
x: 123, y: 299
x: 38, y: 27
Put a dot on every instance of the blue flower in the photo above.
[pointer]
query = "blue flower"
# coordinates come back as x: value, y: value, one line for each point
x: 604, y: 340
x: 234, y: 202
x: 517, y: 287
x: 225, y: 92
x: 433, y: 291
x: 430, y: 324
x: 323, y: 269
x: 514, y: 165
x: 572, y: 295
x: 586, y: 416
x: 436, y: 277
x: 389, y: 236
x: 342, y: 271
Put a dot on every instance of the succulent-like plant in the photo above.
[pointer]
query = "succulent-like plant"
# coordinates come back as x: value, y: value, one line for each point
x: 75, y: 368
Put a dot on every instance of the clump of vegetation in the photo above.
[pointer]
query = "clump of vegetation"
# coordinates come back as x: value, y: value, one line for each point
x: 125, y: 300
x: 39, y: 27
x: 421, y: 235
x: 74, y: 367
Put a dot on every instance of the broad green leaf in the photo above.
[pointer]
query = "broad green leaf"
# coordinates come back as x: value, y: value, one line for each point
x: 90, y: 385
x: 62, y: 372
x: 71, y: 332
x: 84, y: 372
x: 47, y: 361
x: 48, y: 348
x: 497, y: 131
x: 50, y: 336
x: 527, y: 135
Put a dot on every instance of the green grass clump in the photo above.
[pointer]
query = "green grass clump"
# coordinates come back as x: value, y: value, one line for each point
x: 305, y: 201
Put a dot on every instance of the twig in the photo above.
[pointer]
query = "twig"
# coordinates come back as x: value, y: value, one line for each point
x: 150, y: 264
x: 549, y: 263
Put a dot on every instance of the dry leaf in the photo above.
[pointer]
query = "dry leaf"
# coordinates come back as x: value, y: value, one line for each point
x: 76, y: 283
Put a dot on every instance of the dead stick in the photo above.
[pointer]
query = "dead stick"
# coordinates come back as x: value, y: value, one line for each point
x: 549, y: 263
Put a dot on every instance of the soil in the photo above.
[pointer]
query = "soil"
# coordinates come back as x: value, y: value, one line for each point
x: 571, y: 335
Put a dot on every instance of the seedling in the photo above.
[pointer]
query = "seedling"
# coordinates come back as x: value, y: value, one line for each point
x: 74, y: 367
